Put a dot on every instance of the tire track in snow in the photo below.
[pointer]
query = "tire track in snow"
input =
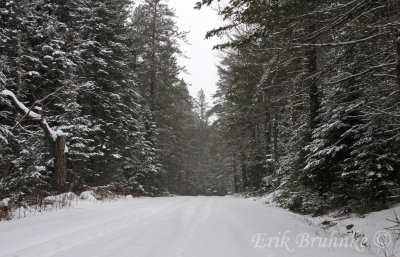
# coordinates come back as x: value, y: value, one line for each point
x: 189, y: 240
x: 53, y: 246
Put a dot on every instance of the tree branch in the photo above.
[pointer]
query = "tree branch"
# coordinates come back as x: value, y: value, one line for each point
x: 50, y: 133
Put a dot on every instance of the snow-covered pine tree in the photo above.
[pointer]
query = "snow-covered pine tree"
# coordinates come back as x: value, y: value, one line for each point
x: 341, y: 54
x: 73, y: 61
x: 110, y: 144
x: 39, y: 74
x: 156, y: 40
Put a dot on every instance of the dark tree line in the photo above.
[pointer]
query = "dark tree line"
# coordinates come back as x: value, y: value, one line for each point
x: 308, y: 101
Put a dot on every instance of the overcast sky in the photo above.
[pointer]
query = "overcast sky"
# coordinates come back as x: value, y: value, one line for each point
x: 202, y: 61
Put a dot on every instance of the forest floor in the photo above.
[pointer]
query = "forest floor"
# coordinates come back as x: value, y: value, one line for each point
x: 181, y: 227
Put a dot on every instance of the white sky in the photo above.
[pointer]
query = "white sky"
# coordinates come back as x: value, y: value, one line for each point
x: 202, y: 60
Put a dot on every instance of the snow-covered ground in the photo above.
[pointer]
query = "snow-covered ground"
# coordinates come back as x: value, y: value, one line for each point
x: 174, y: 227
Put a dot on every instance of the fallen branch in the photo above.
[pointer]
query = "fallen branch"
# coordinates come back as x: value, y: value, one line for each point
x: 56, y: 137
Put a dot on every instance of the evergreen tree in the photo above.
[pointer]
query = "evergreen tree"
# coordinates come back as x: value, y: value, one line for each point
x: 157, y: 38
x: 325, y: 68
x: 74, y: 62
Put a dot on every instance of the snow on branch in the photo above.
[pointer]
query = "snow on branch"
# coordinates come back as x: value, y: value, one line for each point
x: 362, y: 73
x: 20, y: 105
x: 336, y: 44
x: 53, y: 134
x: 4, y: 139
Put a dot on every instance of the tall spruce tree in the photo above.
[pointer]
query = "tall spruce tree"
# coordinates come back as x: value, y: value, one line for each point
x: 329, y: 87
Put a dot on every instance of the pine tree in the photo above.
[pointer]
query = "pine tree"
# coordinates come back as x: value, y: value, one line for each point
x: 327, y: 77
x: 74, y: 63
x: 156, y: 39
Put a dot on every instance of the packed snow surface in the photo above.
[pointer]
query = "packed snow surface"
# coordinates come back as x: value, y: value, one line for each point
x: 164, y: 227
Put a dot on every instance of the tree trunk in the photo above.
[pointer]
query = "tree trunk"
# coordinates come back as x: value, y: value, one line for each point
x: 267, y: 130
x: 19, y: 70
x: 236, y: 180
x: 152, y: 93
x: 60, y: 164
x: 59, y: 177
x: 311, y: 57
x: 19, y: 65
x: 245, y: 179
x: 313, y: 87
x: 276, y: 131
x: 398, y: 61
x: 275, y: 151
x: 153, y: 60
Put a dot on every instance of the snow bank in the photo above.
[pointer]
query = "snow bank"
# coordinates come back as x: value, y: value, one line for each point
x: 61, y: 197
x: 377, y: 228
x: 63, y: 201
x: 4, y: 202
x: 88, y: 196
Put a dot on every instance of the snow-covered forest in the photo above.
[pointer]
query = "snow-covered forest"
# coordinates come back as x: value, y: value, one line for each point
x: 307, y: 105
x: 91, y: 96
x: 309, y: 101
x: 96, y: 119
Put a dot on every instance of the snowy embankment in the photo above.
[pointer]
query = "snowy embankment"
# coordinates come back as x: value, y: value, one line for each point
x: 173, y: 227
x: 377, y: 232
x: 57, y: 203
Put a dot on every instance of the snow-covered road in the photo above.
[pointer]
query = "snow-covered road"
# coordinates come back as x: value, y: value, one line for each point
x: 163, y: 227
